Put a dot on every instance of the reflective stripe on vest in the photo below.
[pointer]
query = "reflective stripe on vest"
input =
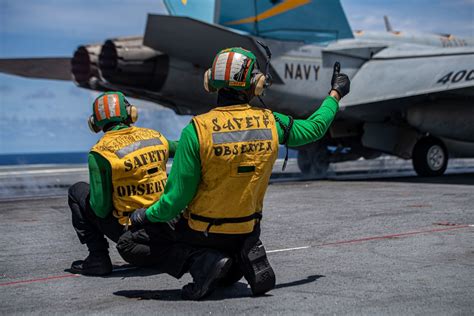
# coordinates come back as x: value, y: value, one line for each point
x: 242, y: 136
x: 138, y: 145
x: 238, y: 146
x: 137, y: 157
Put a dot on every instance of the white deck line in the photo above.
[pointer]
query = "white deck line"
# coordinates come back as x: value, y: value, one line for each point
x: 288, y: 249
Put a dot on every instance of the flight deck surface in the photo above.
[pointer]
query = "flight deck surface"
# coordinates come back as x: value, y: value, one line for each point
x: 376, y: 246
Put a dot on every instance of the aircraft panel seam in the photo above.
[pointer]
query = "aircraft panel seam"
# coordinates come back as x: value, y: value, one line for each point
x: 410, y: 95
x: 422, y: 56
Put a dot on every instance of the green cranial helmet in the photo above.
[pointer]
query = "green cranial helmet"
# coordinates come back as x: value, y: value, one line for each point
x: 232, y: 68
x: 110, y: 107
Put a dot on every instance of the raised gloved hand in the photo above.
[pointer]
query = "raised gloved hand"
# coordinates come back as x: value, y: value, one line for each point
x: 340, y: 82
x: 138, y: 218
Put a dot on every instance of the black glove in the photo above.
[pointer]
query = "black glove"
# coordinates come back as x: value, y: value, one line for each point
x: 172, y: 223
x: 340, y: 82
x: 138, y: 218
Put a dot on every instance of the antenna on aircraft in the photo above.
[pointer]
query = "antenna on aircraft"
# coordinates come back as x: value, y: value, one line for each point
x: 388, y: 26
x: 268, y: 81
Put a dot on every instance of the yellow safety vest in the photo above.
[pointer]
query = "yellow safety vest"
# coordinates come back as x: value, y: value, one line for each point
x: 238, y: 146
x: 137, y: 157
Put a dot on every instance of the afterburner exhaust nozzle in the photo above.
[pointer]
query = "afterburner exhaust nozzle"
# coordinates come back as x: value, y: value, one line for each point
x: 127, y: 62
x: 84, y: 65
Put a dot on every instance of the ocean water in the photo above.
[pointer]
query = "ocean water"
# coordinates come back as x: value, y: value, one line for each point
x: 43, y: 158
x: 72, y: 158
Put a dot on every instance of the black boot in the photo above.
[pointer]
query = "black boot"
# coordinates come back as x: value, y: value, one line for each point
x: 257, y: 270
x: 207, y: 268
x: 96, y: 263
x: 233, y: 275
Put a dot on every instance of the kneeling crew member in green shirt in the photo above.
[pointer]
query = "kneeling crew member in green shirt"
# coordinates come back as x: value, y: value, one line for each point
x: 221, y: 171
x: 127, y: 171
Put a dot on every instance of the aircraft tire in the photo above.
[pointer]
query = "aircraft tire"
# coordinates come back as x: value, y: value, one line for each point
x: 430, y: 157
x: 313, y: 161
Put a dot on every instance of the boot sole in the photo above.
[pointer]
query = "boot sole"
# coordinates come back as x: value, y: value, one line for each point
x: 263, y: 278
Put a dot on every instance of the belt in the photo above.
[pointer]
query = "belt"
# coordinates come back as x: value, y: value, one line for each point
x: 228, y: 220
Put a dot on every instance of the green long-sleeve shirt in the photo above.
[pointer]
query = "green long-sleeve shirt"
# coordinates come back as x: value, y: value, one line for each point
x: 185, y: 174
x: 100, y: 179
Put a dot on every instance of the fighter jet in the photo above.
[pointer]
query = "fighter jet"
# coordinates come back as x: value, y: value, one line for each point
x: 412, y: 95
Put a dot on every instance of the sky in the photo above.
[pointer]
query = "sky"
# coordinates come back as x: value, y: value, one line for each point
x: 51, y: 116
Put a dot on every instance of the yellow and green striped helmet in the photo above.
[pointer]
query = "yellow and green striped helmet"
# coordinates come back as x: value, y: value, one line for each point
x: 109, y: 107
x: 232, y: 68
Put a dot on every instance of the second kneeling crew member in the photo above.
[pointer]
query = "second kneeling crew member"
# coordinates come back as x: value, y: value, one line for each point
x: 127, y: 171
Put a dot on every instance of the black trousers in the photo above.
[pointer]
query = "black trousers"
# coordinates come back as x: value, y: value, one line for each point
x: 89, y: 228
x: 155, y: 245
x: 229, y: 243
x: 172, y: 250
x: 92, y: 230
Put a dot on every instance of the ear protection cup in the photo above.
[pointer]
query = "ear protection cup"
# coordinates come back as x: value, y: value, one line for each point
x: 207, y: 86
x: 258, y: 84
x: 132, y: 112
x: 94, y: 128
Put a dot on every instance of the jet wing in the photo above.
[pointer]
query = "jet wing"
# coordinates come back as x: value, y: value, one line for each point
x: 196, y: 41
x: 404, y: 73
x: 55, y: 68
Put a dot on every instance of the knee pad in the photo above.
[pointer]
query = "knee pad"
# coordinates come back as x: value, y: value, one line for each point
x: 76, y: 188
x: 125, y: 246
x: 256, y: 268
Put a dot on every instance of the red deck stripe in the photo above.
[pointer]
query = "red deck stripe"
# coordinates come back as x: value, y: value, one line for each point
x: 320, y: 245
x: 391, y: 236
x: 40, y: 279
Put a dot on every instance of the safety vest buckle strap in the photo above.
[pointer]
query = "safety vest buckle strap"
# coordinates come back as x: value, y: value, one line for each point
x: 220, y: 221
x: 206, y: 232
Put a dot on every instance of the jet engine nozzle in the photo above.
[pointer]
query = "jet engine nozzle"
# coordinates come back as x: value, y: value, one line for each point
x: 84, y: 65
x: 127, y: 62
